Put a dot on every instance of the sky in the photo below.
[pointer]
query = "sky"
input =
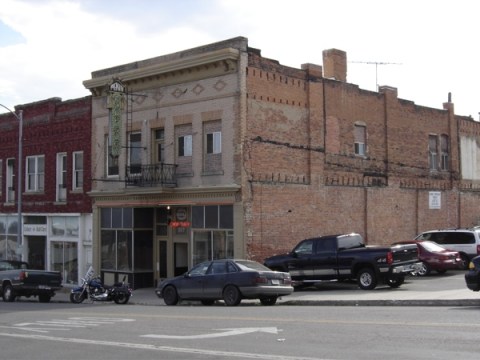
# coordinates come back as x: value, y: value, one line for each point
x: 425, y: 49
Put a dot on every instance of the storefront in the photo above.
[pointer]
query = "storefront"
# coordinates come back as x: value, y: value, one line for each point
x: 58, y: 242
x: 147, y: 244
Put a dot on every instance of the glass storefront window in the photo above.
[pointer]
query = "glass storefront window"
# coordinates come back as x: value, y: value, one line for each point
x: 64, y: 258
x: 211, y: 245
x: 65, y: 226
x: 8, y: 238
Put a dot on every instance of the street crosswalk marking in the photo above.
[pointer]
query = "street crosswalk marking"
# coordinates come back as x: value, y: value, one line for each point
x: 45, y: 326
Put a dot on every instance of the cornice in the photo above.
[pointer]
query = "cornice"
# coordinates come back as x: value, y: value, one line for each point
x: 164, y: 67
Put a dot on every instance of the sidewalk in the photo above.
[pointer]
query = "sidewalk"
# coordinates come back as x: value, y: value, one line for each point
x: 413, y: 293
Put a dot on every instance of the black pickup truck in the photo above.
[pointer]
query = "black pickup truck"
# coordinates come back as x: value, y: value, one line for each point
x: 346, y: 257
x: 16, y: 279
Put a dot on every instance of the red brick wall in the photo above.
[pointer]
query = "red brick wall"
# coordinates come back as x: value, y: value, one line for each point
x: 303, y: 176
x: 50, y: 127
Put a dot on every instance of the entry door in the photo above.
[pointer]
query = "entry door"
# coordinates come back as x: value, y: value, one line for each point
x: 181, y: 258
x: 37, y: 252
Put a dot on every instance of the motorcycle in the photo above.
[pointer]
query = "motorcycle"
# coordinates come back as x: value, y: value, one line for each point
x: 92, y: 288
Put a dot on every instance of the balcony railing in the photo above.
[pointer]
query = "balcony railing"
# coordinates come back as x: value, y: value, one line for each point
x: 151, y: 175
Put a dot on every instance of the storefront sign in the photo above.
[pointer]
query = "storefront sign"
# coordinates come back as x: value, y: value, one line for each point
x: 35, y: 229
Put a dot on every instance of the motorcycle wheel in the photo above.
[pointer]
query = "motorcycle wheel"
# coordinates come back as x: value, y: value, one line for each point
x: 121, y: 298
x: 77, y: 297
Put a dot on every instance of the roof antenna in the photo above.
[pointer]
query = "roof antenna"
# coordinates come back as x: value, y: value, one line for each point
x: 376, y: 63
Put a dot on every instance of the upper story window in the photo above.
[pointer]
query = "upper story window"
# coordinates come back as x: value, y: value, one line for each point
x: 214, y: 142
x: 158, y: 146
x: 360, y: 134
x: 62, y: 177
x: 185, y: 145
x: 135, y: 153
x: 433, y: 152
x: 10, y: 181
x: 77, y: 181
x: 444, y: 153
x: 1, y: 176
x: 35, y: 173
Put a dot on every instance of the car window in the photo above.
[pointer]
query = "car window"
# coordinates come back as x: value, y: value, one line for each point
x: 304, y: 248
x: 431, y: 246
x: 459, y: 238
x: 217, y: 268
x: 199, y: 269
x: 231, y: 268
x: 326, y: 245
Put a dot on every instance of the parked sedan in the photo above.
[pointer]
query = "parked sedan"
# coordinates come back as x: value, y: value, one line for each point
x: 472, y: 277
x: 228, y: 280
x: 435, y: 257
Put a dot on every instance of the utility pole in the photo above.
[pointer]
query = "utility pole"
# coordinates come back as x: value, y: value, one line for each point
x: 376, y: 63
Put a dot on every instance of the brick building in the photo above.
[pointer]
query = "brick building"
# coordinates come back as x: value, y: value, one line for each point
x: 219, y: 152
x: 55, y: 208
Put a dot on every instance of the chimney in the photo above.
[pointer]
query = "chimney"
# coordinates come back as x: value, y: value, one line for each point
x: 335, y: 64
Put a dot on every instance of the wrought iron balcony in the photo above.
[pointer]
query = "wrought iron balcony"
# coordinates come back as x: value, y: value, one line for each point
x: 151, y: 175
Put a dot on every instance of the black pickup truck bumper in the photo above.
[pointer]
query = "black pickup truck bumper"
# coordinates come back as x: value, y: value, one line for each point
x: 402, y: 269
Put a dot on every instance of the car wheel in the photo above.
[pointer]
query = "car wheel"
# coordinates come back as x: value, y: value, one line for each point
x: 208, y: 302
x: 267, y: 301
x: 424, y: 270
x: 395, y: 282
x: 465, y: 261
x: 170, y: 296
x: 366, y: 279
x: 231, y: 295
x: 8, y: 293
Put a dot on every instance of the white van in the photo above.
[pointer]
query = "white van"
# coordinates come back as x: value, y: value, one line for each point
x: 465, y: 241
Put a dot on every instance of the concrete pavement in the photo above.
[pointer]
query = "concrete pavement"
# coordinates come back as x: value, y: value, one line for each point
x: 436, y: 290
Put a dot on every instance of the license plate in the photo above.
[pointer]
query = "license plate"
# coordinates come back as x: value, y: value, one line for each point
x: 275, y: 282
x: 44, y: 287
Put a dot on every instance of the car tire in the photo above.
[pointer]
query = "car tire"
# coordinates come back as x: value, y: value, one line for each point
x: 367, y: 279
x: 465, y: 261
x: 170, y: 295
x: 268, y: 301
x: 424, y: 270
x: 8, y: 293
x: 231, y: 295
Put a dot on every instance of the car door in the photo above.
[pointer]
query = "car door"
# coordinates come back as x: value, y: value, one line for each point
x: 214, y: 280
x: 325, y: 259
x: 191, y: 285
x: 301, y: 265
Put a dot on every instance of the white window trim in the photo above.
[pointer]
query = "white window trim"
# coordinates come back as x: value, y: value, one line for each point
x: 217, y: 142
x: 76, y: 171
x: 37, y: 184
x: 187, y: 145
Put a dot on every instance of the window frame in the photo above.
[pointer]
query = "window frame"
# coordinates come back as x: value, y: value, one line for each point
x: 213, y: 142
x: 444, y: 152
x: 61, y: 178
x: 77, y: 172
x: 36, y: 176
x: 185, y: 145
x: 360, y: 139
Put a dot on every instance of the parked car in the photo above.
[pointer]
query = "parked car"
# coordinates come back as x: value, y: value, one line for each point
x: 18, y: 279
x: 434, y: 257
x: 228, y: 280
x: 346, y: 257
x: 465, y: 241
x: 472, y: 277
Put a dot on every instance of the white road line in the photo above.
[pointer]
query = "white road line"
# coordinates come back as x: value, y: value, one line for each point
x: 222, y: 354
